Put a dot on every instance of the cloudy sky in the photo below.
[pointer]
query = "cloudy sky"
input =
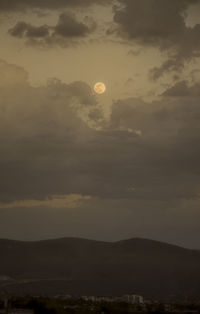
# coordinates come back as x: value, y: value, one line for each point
x: 113, y: 166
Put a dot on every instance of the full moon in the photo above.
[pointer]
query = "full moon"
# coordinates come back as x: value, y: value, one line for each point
x: 99, y: 88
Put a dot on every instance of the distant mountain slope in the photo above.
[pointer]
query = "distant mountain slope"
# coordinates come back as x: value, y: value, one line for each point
x: 79, y: 266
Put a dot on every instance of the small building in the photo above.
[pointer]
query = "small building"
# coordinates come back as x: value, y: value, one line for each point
x: 89, y: 298
x: 133, y: 299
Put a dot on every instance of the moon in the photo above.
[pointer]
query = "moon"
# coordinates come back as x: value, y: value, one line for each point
x: 99, y: 88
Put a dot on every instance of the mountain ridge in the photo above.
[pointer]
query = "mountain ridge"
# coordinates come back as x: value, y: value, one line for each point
x: 83, y: 266
x: 99, y: 241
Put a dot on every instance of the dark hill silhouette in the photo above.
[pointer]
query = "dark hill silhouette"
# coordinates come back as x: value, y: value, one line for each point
x: 80, y: 266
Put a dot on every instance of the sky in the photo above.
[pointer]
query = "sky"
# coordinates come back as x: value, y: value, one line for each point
x: 118, y: 165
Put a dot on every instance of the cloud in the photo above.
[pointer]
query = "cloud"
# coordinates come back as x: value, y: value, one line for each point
x: 22, y: 5
x: 183, y: 89
x: 161, y: 24
x: 56, y: 201
x: 48, y: 146
x: 164, y: 161
x: 68, y: 27
x: 154, y: 22
x: 22, y: 29
x: 12, y: 75
x: 63, y: 33
x: 174, y: 64
x: 49, y: 121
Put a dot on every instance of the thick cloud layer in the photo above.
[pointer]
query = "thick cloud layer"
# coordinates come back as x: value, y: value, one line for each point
x: 147, y: 151
x: 22, y: 5
x: 22, y: 29
x: 160, y: 23
x: 183, y: 89
x: 37, y: 125
x: 135, y: 175
x: 66, y: 30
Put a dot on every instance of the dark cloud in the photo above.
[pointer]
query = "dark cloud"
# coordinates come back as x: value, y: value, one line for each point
x: 175, y: 64
x: 22, y: 29
x: 149, y: 21
x: 183, y: 89
x: 67, y: 28
x: 148, y: 180
x: 165, y: 161
x: 49, y: 119
x: 146, y: 151
x: 22, y: 5
x: 160, y: 23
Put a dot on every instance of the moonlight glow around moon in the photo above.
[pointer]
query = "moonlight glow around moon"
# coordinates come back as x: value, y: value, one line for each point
x: 99, y: 88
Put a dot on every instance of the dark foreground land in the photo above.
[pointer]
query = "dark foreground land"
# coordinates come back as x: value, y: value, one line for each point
x: 41, y: 305
x: 152, y: 269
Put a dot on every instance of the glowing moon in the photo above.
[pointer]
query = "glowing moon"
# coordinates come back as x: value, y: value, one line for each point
x: 99, y: 88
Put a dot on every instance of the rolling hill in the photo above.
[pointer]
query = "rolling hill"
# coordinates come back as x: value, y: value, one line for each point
x: 86, y: 267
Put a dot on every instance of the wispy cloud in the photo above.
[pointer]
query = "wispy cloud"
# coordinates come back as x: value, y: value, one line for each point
x: 56, y: 201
